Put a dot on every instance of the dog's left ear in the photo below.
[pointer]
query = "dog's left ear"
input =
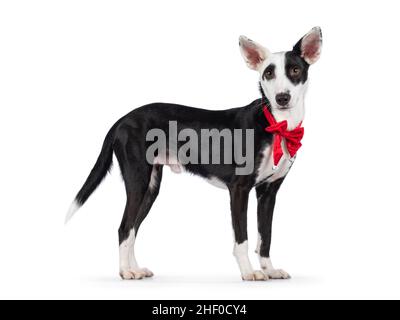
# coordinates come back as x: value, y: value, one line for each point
x: 309, y: 47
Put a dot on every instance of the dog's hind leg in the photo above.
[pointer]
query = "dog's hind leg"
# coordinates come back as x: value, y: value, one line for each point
x: 138, y: 205
x: 142, y: 183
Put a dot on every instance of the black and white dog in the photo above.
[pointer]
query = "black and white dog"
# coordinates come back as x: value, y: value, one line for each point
x: 283, y: 79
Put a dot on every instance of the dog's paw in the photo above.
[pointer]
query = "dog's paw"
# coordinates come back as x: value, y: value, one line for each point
x: 276, y: 274
x: 255, y: 276
x: 136, y: 274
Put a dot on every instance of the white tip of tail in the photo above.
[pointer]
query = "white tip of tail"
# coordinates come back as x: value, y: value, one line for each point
x: 72, y: 209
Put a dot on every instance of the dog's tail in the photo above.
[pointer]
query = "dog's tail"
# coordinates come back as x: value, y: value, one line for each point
x: 96, y: 176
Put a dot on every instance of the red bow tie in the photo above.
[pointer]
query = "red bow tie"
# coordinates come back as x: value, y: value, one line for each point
x: 292, y: 138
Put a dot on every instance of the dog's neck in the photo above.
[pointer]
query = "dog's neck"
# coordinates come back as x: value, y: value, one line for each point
x: 294, y: 116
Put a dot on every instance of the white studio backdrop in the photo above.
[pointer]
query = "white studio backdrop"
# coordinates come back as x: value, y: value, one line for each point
x: 70, y: 69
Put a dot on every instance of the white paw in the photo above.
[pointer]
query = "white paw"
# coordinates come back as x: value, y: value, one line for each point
x: 276, y: 274
x: 255, y: 276
x: 136, y: 274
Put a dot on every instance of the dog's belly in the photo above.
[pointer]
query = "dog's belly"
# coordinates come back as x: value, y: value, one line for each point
x: 267, y: 172
x: 216, y: 183
x: 176, y: 167
x: 169, y: 161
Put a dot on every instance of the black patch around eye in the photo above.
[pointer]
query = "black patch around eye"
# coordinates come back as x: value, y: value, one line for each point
x: 269, y: 72
x: 294, y: 60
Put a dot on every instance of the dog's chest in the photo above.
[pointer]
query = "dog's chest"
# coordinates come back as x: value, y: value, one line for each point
x: 267, y: 171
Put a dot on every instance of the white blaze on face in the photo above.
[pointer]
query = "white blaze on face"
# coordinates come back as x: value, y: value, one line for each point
x: 280, y: 83
x: 294, y: 113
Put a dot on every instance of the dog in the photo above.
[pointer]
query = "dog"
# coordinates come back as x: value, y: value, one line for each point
x: 274, y: 126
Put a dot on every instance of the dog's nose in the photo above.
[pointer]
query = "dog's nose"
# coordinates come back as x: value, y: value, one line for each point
x: 282, y: 99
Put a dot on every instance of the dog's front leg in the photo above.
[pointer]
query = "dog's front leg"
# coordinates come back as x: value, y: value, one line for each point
x: 239, y: 199
x: 266, y: 195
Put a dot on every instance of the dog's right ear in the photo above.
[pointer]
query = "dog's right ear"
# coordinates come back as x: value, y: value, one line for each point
x: 253, y: 53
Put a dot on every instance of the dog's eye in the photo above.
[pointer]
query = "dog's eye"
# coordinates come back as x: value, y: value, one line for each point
x: 269, y: 74
x: 295, y: 71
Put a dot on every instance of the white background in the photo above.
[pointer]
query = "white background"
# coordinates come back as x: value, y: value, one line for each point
x: 70, y: 69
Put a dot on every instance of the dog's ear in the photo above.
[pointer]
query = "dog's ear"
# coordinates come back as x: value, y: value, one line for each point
x: 253, y: 53
x: 309, y: 47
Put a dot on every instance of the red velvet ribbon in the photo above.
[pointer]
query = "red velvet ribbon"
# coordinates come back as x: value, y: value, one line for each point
x: 279, y: 129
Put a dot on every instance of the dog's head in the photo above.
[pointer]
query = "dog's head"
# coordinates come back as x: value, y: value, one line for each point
x: 283, y: 75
